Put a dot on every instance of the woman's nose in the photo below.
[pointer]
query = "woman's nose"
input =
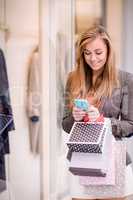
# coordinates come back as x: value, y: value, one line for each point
x: 93, y: 57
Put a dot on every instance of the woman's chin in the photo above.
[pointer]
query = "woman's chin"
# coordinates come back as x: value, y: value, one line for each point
x: 95, y: 69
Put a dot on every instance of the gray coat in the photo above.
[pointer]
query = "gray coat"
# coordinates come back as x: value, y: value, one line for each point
x: 119, y: 108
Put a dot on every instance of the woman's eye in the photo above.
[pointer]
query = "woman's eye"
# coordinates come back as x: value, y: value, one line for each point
x: 98, y: 53
x: 87, y: 53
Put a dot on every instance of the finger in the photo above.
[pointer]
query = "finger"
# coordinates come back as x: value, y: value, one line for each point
x: 78, y: 111
x: 78, y: 118
x: 93, y: 110
x: 78, y: 115
x: 93, y: 116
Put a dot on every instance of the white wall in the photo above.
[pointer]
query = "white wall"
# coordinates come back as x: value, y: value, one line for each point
x: 127, y: 32
x: 127, y: 44
x: 114, y: 26
x: 24, y: 168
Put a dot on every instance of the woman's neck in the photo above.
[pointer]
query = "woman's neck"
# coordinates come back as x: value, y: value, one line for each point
x: 95, y: 75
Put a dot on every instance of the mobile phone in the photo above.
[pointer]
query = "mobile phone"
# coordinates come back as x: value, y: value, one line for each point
x: 82, y: 104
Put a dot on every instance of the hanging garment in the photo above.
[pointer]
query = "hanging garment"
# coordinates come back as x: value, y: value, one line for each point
x: 6, y: 118
x: 33, y: 103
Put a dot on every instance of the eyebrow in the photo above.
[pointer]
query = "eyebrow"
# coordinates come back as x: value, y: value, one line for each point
x: 94, y: 50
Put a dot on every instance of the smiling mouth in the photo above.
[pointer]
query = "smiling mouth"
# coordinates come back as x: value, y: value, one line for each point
x: 95, y: 64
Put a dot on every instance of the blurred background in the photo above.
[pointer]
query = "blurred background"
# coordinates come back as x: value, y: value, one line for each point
x: 54, y: 25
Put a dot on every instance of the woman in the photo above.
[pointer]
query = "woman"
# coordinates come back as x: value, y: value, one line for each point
x: 96, y: 78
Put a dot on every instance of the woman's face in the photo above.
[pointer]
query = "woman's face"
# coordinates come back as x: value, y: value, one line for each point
x: 95, y: 54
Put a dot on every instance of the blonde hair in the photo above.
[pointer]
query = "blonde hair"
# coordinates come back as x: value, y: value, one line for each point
x: 80, y: 80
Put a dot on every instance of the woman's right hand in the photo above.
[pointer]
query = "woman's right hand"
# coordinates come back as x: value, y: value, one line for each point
x: 78, y: 113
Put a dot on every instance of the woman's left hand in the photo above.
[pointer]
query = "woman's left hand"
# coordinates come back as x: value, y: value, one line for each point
x: 93, y: 113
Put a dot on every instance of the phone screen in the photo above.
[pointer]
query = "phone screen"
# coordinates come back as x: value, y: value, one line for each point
x: 82, y: 104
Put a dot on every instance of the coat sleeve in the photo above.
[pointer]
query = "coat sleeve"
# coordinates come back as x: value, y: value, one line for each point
x: 68, y: 120
x: 124, y: 126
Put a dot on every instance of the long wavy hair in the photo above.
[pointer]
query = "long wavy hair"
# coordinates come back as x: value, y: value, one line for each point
x: 80, y: 80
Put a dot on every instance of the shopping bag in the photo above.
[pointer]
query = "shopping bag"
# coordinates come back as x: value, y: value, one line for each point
x: 92, y: 164
x: 88, y: 137
x: 109, y: 159
x: 118, y: 189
